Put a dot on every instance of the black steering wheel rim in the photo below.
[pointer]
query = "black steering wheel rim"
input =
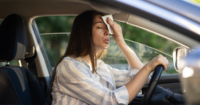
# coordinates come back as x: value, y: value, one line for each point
x: 152, y: 84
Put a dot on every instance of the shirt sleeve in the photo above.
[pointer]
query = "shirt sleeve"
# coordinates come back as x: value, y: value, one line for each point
x: 122, y: 77
x: 77, y: 82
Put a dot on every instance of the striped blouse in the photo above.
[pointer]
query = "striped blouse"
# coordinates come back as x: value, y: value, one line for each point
x: 74, y: 84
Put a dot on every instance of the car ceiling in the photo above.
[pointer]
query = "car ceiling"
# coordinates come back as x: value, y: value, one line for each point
x: 34, y: 8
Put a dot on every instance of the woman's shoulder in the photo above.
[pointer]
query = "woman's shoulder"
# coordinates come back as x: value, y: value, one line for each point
x: 101, y: 63
x: 78, y: 60
x: 69, y: 60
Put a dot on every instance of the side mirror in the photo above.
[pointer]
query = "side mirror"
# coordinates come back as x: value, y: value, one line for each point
x: 178, y: 54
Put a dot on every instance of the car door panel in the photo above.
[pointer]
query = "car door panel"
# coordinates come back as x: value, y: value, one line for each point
x: 171, y: 82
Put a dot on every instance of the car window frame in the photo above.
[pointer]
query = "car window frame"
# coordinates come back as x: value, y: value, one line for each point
x: 39, y: 40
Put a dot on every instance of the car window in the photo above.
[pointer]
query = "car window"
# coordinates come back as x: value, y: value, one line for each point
x: 55, y: 31
x: 12, y: 63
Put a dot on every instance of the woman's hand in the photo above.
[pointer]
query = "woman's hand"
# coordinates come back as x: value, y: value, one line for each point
x: 117, y: 36
x: 140, y: 78
x: 159, y: 60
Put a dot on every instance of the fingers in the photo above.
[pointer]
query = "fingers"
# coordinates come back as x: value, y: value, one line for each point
x: 117, y: 36
x: 166, y: 63
x: 113, y: 25
x: 163, y: 61
x: 110, y: 22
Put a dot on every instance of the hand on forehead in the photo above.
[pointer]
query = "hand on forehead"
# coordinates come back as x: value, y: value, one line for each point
x: 105, y: 21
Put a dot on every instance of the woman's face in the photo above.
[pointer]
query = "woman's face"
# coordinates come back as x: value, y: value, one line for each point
x: 100, y: 34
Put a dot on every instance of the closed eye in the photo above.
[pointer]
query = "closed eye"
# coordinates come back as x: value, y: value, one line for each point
x: 99, y: 27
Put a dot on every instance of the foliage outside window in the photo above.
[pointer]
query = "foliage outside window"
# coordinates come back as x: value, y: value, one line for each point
x: 55, y: 31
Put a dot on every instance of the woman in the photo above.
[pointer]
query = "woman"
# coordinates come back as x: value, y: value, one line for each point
x: 80, y: 77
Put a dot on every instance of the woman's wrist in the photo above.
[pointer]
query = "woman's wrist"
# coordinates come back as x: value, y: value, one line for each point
x: 121, y: 44
x: 147, y: 68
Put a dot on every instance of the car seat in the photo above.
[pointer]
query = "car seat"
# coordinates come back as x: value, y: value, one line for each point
x: 17, y: 84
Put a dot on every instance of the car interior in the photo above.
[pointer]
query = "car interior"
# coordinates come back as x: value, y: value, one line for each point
x: 18, y: 84
x: 30, y: 82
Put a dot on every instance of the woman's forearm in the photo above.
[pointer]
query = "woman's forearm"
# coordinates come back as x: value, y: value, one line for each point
x: 130, y: 55
x: 135, y: 85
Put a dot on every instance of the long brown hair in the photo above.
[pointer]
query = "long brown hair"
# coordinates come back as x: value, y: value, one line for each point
x: 81, y: 40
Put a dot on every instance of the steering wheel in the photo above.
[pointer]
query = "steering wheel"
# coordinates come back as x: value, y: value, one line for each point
x: 150, y: 89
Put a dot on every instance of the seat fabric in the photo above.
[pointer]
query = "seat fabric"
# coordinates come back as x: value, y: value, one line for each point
x: 17, y: 84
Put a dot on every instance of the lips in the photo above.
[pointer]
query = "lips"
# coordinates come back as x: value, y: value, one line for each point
x: 107, y: 40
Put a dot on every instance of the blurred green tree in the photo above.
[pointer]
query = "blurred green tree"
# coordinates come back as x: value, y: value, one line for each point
x: 53, y: 33
x: 57, y: 24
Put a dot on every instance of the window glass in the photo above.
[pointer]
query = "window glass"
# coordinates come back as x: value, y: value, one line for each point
x: 55, y: 45
x: 55, y: 31
x: 12, y: 63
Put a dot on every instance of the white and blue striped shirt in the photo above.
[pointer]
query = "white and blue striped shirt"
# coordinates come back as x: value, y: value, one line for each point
x: 74, y: 84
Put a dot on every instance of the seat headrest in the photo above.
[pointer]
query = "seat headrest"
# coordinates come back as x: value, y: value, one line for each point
x: 13, y: 39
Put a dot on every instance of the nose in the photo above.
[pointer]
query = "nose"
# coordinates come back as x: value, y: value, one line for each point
x: 106, y: 31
